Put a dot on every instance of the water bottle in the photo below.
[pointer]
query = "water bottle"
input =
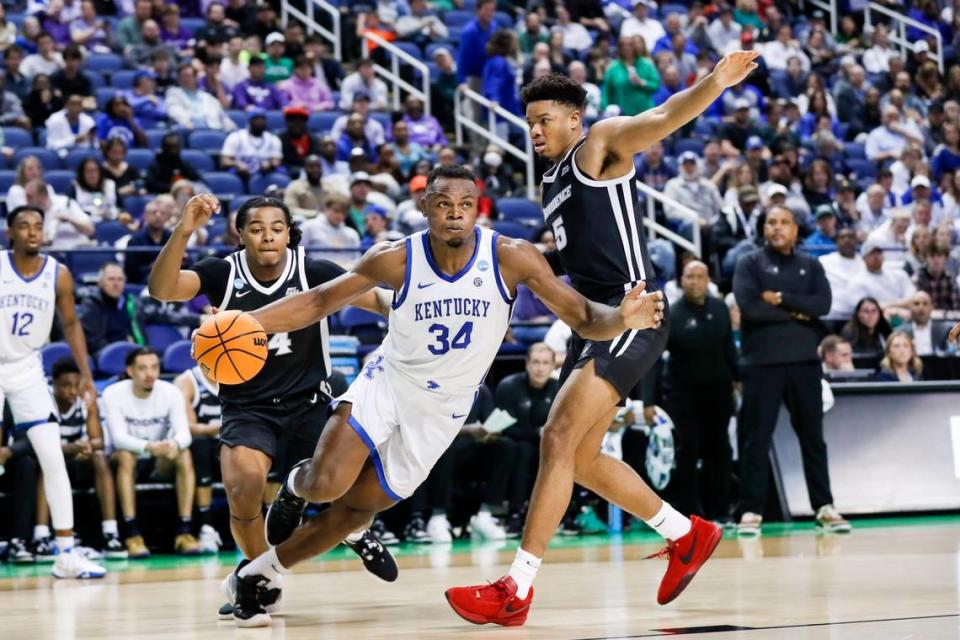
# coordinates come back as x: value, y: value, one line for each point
x: 614, y: 519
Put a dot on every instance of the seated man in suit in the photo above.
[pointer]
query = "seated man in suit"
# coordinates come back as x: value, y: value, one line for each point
x: 929, y: 336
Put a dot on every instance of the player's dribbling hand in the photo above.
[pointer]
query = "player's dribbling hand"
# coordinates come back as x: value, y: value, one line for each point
x: 198, y: 211
x: 734, y: 67
x: 642, y: 310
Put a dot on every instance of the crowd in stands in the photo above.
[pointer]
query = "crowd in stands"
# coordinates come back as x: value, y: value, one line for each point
x: 115, y: 113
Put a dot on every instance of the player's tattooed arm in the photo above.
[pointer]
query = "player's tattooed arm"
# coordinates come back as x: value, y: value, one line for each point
x: 521, y: 263
x: 384, y: 263
x: 612, y: 143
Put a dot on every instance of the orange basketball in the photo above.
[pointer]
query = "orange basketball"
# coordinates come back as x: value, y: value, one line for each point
x: 230, y: 347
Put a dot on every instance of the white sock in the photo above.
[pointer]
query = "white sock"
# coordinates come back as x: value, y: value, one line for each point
x: 669, y: 522
x: 64, y: 543
x: 523, y: 571
x: 267, y: 565
x: 109, y: 528
x: 41, y: 531
x: 356, y: 536
x: 45, y: 440
x: 291, y: 479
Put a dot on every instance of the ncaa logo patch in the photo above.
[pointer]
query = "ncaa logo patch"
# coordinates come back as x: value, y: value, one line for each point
x: 238, y: 283
x: 483, y: 265
x: 565, y: 170
x: 478, y: 282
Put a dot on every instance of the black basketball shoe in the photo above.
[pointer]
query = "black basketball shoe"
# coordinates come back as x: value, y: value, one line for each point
x: 285, y: 513
x: 375, y: 556
x: 247, y: 609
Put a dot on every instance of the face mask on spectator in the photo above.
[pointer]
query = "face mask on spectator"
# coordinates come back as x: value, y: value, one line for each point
x: 492, y: 160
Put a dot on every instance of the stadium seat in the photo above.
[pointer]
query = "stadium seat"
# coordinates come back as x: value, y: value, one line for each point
x: 140, y: 159
x: 109, y: 232
x: 123, y: 79
x: 53, y: 352
x: 668, y: 8
x: 48, y: 159
x: 208, y: 140
x: 133, y: 289
x: 519, y: 209
x: 16, y: 137
x: 192, y: 24
x: 688, y: 144
x: 134, y: 205
x: 177, y: 358
x: 457, y: 18
x: 410, y: 49
x: 199, y: 160
x: 85, y: 263
x: 76, y: 156
x: 155, y: 137
x: 368, y: 327
x: 237, y: 202
x: 111, y: 359
x: 260, y: 182
x: 7, y: 179
x: 861, y: 167
x: 224, y: 184
x: 323, y: 121
x: 854, y: 150
x: 96, y: 79
x: 217, y: 227
x: 161, y: 336
x: 239, y: 117
x: 60, y: 179
x: 275, y: 121
x: 385, y: 120
x: 432, y: 48
x: 104, y: 62
x: 103, y: 95
x: 503, y: 20
x: 512, y: 229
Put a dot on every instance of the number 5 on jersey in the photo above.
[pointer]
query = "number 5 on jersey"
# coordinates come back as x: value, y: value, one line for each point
x: 559, y: 234
x: 281, y: 343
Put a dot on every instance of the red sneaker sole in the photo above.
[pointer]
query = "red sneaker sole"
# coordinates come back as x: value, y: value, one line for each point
x: 711, y: 547
x: 473, y: 618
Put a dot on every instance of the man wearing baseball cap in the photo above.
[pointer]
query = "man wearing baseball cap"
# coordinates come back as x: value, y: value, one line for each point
x: 823, y: 239
x: 254, y: 150
x: 741, y: 127
x: 305, y: 195
x: 409, y: 218
x: 296, y: 140
x: 891, y: 287
x: 694, y: 191
x: 256, y: 91
x: 278, y: 66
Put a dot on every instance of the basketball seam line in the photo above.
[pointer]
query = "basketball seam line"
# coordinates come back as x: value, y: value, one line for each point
x: 226, y: 352
x: 223, y: 342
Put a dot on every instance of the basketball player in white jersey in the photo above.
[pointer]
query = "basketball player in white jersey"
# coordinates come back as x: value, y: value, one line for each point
x: 454, y: 290
x: 32, y: 288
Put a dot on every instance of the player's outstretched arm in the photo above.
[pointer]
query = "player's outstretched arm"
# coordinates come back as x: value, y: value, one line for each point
x: 625, y: 137
x: 383, y: 263
x: 73, y: 332
x: 521, y: 263
x: 167, y: 281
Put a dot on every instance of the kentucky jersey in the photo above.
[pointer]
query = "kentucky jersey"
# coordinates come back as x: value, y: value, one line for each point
x: 445, y: 331
x: 598, y: 229
x: 206, y: 403
x: 297, y: 362
x: 73, y: 421
x: 27, y: 307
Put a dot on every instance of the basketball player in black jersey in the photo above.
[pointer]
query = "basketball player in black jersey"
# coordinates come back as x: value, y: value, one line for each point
x: 287, y: 402
x: 590, y: 202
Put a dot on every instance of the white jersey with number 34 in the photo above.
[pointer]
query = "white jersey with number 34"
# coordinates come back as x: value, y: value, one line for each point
x: 27, y: 307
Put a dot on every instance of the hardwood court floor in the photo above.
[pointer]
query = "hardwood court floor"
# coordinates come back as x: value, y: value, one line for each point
x: 889, y: 579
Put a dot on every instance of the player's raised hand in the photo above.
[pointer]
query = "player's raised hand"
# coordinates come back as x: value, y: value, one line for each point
x: 954, y: 336
x: 735, y: 66
x: 641, y: 310
x: 198, y: 211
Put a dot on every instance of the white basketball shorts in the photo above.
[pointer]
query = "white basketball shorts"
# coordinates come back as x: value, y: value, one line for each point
x: 24, y: 387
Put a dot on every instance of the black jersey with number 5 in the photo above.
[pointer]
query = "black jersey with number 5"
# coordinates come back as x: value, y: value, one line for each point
x: 598, y: 229
x: 298, y: 362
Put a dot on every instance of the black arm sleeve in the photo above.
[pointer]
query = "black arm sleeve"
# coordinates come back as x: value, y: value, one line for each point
x: 213, y: 273
x: 553, y: 259
x: 320, y: 271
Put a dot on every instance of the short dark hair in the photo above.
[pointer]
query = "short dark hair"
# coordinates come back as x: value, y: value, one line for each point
x: 73, y: 52
x: 24, y: 208
x: 554, y: 87
x: 14, y: 49
x: 64, y: 366
x: 452, y: 172
x: 133, y: 354
x: 261, y: 202
x: 44, y: 34
x: 830, y: 344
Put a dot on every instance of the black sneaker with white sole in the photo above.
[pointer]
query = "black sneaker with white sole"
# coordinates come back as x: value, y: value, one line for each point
x: 247, y: 609
x: 285, y: 513
x: 375, y: 556
x: 113, y: 548
x: 18, y: 552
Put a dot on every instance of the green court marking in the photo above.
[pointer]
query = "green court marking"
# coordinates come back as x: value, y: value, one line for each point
x: 460, y: 547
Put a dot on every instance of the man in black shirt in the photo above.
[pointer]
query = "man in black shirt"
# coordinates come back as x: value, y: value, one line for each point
x: 168, y: 166
x: 703, y: 366
x: 71, y: 80
x: 781, y: 293
x: 154, y: 233
x: 109, y: 315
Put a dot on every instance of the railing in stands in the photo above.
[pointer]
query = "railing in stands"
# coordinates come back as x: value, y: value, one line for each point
x: 287, y: 10
x: 463, y: 120
x: 392, y: 75
x: 898, y: 31
x: 830, y: 6
x: 656, y: 229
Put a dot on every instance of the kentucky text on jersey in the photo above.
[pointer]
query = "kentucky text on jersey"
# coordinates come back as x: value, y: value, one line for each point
x: 468, y: 307
x: 24, y: 301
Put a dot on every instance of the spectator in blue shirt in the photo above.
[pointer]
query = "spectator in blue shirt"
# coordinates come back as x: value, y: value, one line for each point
x: 257, y: 92
x: 824, y: 239
x: 499, y: 75
x: 148, y: 108
x: 946, y: 157
x: 377, y: 226
x: 473, y: 44
x: 670, y: 84
x: 672, y: 26
x: 652, y: 170
x: 118, y: 121
x: 353, y: 137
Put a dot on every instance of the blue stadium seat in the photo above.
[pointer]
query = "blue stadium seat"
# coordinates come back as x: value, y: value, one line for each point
x: 519, y: 209
x: 668, y: 8
x: 199, y: 160
x: 48, y: 159
x: 7, y: 180
x: 134, y: 205
x: 705, y: 128
x: 16, y: 137
x: 104, y: 62
x: 111, y: 359
x: 192, y: 24
x: 224, y: 184
x: 854, y: 150
x: 104, y: 94
x: 140, y: 159
x: 457, y: 18
x: 60, y: 179
x: 216, y: 227
x: 76, y: 156
x: 237, y: 202
x: 512, y: 229
x: 177, y: 358
x: 134, y: 289
x: 161, y: 336
x: 503, y: 20
x: 259, y: 183
x: 53, y: 352
x: 123, y: 79
x: 96, y: 79
x: 432, y: 48
x: 323, y: 121
x: 368, y: 327
x: 275, y: 121
x: 349, y: 367
x: 410, y: 49
x: 385, y: 119
x: 155, y: 137
x: 208, y: 140
x: 239, y: 117
x: 109, y: 232
x: 85, y: 263
x: 688, y: 144
x: 861, y: 167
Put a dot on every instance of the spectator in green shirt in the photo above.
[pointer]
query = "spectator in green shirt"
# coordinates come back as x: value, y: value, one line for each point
x: 631, y: 80
x: 746, y: 15
x: 279, y: 67
x: 533, y: 32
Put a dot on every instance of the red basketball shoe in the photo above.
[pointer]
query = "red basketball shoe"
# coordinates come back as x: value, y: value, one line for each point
x: 496, y: 603
x: 687, y: 555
